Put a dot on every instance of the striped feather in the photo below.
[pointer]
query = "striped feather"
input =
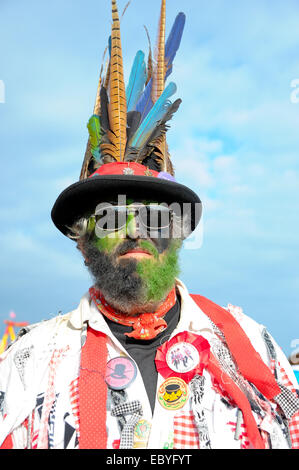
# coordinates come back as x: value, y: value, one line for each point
x: 117, y: 105
x: 159, y: 69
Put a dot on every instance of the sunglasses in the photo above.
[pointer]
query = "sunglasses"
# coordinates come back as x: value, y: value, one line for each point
x: 114, y: 218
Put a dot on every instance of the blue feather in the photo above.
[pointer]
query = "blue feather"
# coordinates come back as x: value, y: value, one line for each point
x: 145, y: 103
x: 154, y: 116
x: 109, y: 46
x: 172, y: 45
x: 174, y: 40
x: 136, y: 81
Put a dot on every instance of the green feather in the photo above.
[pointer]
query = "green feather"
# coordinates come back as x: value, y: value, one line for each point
x: 95, y: 136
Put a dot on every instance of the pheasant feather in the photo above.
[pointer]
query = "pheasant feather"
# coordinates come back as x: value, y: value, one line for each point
x: 90, y: 152
x: 159, y: 69
x: 117, y: 105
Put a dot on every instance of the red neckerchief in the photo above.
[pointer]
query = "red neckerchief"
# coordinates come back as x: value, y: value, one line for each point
x: 146, y: 325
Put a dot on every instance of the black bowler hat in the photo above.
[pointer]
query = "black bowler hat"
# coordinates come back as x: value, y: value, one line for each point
x: 133, y: 180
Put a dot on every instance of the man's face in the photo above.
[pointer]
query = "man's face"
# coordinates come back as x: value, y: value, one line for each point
x: 133, y: 266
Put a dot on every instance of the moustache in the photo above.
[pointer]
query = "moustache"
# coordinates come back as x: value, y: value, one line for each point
x: 129, y: 245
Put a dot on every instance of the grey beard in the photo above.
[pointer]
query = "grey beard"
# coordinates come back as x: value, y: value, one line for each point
x: 118, y: 282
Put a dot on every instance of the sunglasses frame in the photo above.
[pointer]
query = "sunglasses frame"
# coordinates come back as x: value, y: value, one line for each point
x: 135, y: 208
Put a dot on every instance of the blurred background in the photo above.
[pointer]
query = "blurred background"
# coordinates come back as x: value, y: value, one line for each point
x: 235, y: 141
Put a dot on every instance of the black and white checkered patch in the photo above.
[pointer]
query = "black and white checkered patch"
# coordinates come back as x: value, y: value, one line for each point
x: 134, y: 409
x: 288, y: 401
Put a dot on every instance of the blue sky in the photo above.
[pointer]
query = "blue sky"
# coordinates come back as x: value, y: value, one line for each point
x: 234, y: 141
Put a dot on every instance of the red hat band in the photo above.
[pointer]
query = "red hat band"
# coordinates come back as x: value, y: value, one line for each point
x: 130, y: 168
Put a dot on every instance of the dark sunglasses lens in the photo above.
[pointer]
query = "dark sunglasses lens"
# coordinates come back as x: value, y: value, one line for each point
x: 114, y: 218
x: 111, y: 218
x: 155, y: 217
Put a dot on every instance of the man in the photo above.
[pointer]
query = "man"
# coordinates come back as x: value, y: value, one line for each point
x: 114, y: 372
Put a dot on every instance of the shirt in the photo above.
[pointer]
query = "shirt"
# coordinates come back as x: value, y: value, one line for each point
x: 39, y: 405
x: 143, y: 351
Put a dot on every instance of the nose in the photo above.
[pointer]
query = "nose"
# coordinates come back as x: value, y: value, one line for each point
x: 133, y: 227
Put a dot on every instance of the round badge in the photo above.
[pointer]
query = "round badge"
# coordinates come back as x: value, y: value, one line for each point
x: 182, y: 357
x: 120, y: 373
x: 173, y: 393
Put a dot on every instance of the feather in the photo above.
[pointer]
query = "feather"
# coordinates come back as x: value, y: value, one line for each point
x: 173, y: 42
x: 125, y: 9
x: 159, y: 69
x: 97, y: 105
x: 136, y: 81
x: 133, y: 121
x: 154, y: 152
x: 150, y: 58
x: 107, y: 149
x: 95, y: 135
x: 117, y: 106
x: 104, y: 109
x: 155, y: 114
x: 154, y: 161
x: 87, y: 165
x: 86, y: 162
x: 107, y: 66
x: 145, y: 102
x: 157, y: 136
x: 109, y: 45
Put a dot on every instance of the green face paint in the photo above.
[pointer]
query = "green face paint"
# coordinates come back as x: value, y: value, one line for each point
x: 148, y: 246
x: 157, y: 274
x: 109, y: 243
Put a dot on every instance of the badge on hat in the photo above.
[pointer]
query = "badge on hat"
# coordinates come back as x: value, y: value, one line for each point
x: 120, y: 373
x: 173, y: 393
x: 184, y: 356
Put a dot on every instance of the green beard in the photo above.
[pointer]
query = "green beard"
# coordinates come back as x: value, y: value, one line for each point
x: 133, y: 285
x: 158, y: 275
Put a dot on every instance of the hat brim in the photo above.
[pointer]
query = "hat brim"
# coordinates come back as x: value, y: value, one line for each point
x: 81, y: 198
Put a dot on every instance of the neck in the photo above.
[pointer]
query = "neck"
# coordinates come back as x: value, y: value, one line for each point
x: 132, y: 307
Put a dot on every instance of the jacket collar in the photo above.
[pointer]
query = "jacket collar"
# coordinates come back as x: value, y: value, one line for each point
x: 192, y: 317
